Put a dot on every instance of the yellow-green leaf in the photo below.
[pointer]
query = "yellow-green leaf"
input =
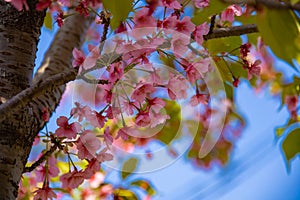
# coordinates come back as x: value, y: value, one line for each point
x: 48, y: 21
x: 202, y: 15
x: 291, y: 144
x: 279, y: 30
x: 144, y: 185
x: 128, y: 167
x: 219, y: 45
x: 119, y: 10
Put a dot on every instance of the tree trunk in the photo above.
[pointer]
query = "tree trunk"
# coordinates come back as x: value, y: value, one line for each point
x: 19, y: 33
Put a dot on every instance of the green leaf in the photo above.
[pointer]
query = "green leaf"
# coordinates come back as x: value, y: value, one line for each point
x: 220, y: 45
x: 119, y: 10
x: 279, y: 131
x: 291, y: 144
x: 144, y: 185
x: 171, y: 127
x: 279, y: 30
x: 128, y: 167
x: 202, y: 15
x: 123, y: 194
x: 48, y: 21
x: 223, y: 70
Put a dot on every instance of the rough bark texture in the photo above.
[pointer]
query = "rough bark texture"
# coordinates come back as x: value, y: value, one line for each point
x: 19, y: 33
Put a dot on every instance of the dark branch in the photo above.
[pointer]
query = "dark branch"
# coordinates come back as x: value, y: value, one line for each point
x: 232, y: 31
x: 41, y: 159
x: 268, y: 3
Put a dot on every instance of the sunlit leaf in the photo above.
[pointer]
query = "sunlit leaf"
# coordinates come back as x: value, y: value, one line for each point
x: 123, y: 194
x: 279, y: 30
x: 291, y: 144
x: 48, y: 21
x: 144, y: 185
x: 220, y: 45
x: 128, y: 167
x: 171, y: 127
x: 119, y: 10
x: 202, y: 15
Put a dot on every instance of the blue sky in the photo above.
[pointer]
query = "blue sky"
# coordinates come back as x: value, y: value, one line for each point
x: 257, y: 169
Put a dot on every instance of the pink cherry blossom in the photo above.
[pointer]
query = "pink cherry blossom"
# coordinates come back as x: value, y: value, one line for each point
x: 142, y: 18
x: 65, y: 129
x: 91, y: 59
x: 72, y: 179
x: 230, y: 12
x: 60, y: 19
x: 201, y: 30
x: 169, y: 23
x: 106, y: 191
x: 156, y: 104
x: 108, y: 139
x: 177, y: 87
x: 143, y: 119
x: 179, y: 44
x: 254, y: 69
x: 87, y: 145
x: 128, y: 107
x: 173, y: 4
x: 201, y: 3
x: 18, y: 4
x: 45, y: 114
x: 44, y: 193
x: 43, y: 4
x: 291, y: 102
x: 92, y: 168
x: 142, y: 90
x: 80, y: 112
x: 185, y: 26
x: 122, y: 133
x: 104, y: 93
x: 103, y: 156
x: 158, y: 118
x: 79, y: 57
x: 52, y: 170
x: 96, y: 119
x: 199, y: 99
x: 116, y: 72
x: 83, y: 8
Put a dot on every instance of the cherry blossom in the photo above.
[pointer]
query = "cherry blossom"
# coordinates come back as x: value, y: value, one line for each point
x: 79, y: 57
x: 44, y: 193
x: 156, y: 104
x: 43, y: 4
x: 103, y: 156
x: 141, y: 91
x: 142, y: 18
x: 87, y: 145
x: 230, y: 12
x: 185, y: 26
x: 201, y: 30
x: 173, y: 4
x: 72, y: 179
x: 122, y: 133
x: 143, y: 118
x: 65, y: 129
x: 92, y: 168
x: 199, y: 99
x: 179, y: 44
x: 18, y: 4
x: 177, y: 87
x: 108, y: 139
x: 51, y: 169
x: 80, y: 112
x: 92, y: 57
x: 158, y: 118
x: 201, y: 3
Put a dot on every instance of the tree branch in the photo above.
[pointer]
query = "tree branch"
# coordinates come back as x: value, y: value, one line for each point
x: 55, y: 81
x: 268, y: 3
x: 41, y: 159
x: 232, y: 31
